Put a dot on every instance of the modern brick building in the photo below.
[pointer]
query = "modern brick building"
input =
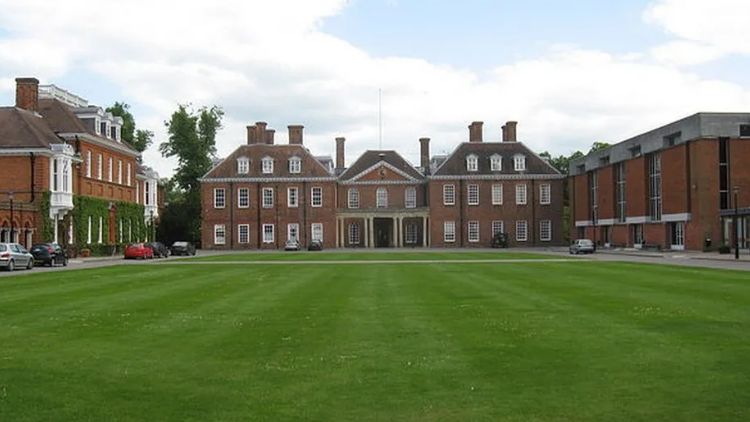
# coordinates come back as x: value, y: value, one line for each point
x: 263, y: 194
x: 68, y: 176
x: 671, y: 188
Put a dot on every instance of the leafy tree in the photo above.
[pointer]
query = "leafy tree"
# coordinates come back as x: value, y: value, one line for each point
x: 192, y: 139
x: 140, y: 139
x: 596, y: 146
x: 143, y: 139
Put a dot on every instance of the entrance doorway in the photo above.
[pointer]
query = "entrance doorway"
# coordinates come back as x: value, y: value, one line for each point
x: 383, y: 231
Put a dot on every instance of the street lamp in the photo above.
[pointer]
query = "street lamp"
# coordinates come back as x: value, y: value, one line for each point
x: 736, y: 192
x: 10, y: 197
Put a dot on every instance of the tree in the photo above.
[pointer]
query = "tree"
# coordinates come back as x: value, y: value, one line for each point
x: 192, y: 140
x: 596, y: 146
x: 139, y: 139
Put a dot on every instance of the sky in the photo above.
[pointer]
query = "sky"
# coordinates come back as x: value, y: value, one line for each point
x: 570, y: 72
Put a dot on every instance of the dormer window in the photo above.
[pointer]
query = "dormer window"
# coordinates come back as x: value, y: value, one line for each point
x: 472, y: 163
x: 496, y: 163
x: 519, y: 163
x: 267, y: 165
x: 98, y: 126
x: 243, y: 165
x: 115, y: 132
x: 295, y: 165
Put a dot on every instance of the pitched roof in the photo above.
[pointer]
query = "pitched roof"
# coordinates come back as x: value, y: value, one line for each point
x: 227, y: 168
x: 373, y: 157
x: 455, y: 164
x: 20, y: 128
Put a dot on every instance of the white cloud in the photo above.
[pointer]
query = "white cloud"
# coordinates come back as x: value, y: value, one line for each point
x: 271, y: 61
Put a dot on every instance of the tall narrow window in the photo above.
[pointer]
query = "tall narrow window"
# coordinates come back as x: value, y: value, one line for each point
x: 410, y: 200
x: 55, y: 174
x: 65, y: 175
x: 620, y: 192
x: 654, y: 186
x: 545, y: 230
x: 410, y: 234
x: 220, y: 234
x: 292, y: 197
x: 243, y: 233
x: 473, y: 231
x: 354, y: 234
x: 545, y: 194
x: 88, y: 237
x: 449, y: 194
x: 497, y: 194
x: 243, y: 198
x: 519, y: 162
x: 219, y: 197
x: 473, y: 194
x: 109, y: 170
x: 101, y: 229
x: 88, y: 163
x: 317, y: 197
x: 497, y: 227
x: 147, y: 192
x: 268, y: 233
x: 522, y: 232
x: 119, y: 172
x: 593, y: 196
x: 381, y: 198
x: 292, y: 232
x: 353, y: 198
x: 521, y: 194
x: 723, y: 173
x: 449, y: 231
x: 317, y: 232
x: 99, y: 166
x: 130, y: 170
x: 267, y: 197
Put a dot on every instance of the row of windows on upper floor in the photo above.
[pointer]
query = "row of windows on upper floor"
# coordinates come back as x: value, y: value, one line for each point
x: 381, y: 196
x: 496, y: 162
x: 150, y: 191
x: 294, y: 165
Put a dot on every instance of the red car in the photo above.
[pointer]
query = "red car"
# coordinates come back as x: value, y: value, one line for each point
x: 138, y: 250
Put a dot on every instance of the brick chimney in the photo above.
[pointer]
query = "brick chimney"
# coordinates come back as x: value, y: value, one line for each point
x: 269, y: 136
x: 260, y: 132
x: 424, y: 154
x: 27, y: 94
x: 475, y: 132
x: 295, y: 134
x: 251, y: 139
x: 340, y: 153
x: 509, y: 132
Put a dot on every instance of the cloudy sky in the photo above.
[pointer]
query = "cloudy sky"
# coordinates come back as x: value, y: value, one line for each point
x: 571, y: 72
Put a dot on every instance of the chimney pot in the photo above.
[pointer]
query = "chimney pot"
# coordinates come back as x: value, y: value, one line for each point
x: 510, y: 132
x: 27, y: 94
x: 424, y: 154
x: 251, y: 139
x: 475, y: 132
x: 295, y: 134
x: 269, y: 136
x: 340, y: 153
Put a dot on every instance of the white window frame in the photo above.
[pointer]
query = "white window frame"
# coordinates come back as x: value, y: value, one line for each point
x: 292, y: 227
x: 410, y: 197
x: 101, y: 234
x: 316, y: 232
x: 449, y: 194
x: 119, y: 172
x: 472, y: 194
x: 240, y: 192
x: 88, y: 237
x: 522, y: 231
x: 496, y: 162
x: 449, y: 231
x: 220, y: 239
x: 243, y: 165
x: 353, y: 198
x: 521, y: 194
x: 316, y: 196
x: 88, y: 163
x: 545, y: 194
x: 292, y: 199
x: 130, y: 171
x: 354, y: 234
x: 498, y: 226
x: 519, y: 162
x: 220, y: 201
x: 268, y: 200
x: 473, y: 231
x: 410, y: 233
x: 472, y: 163
x: 110, y: 164
x: 267, y: 165
x: 295, y: 165
x: 497, y: 194
x: 381, y: 198
x: 100, y: 167
x: 243, y: 238
x: 545, y: 230
x: 269, y: 235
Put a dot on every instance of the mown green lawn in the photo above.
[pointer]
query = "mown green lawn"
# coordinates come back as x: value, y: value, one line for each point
x: 441, y: 341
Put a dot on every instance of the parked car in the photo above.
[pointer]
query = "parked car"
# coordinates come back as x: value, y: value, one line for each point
x: 582, y: 246
x: 291, y: 245
x: 13, y: 255
x: 183, y: 248
x: 160, y: 250
x: 315, y: 245
x: 49, y: 254
x: 138, y: 250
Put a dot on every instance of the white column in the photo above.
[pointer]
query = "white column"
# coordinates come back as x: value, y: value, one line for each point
x: 400, y: 232
x: 54, y: 222
x: 371, y: 233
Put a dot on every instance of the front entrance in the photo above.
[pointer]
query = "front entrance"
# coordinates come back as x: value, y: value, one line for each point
x: 383, y: 231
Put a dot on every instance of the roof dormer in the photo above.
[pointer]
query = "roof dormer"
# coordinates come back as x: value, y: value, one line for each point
x: 472, y: 162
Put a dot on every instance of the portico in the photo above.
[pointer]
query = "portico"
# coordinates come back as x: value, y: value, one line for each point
x: 377, y: 228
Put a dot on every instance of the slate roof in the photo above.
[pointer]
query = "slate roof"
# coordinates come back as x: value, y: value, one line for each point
x: 373, y: 157
x: 281, y: 154
x: 455, y: 164
x: 20, y: 128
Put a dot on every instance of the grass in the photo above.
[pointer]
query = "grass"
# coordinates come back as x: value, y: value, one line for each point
x: 442, y: 341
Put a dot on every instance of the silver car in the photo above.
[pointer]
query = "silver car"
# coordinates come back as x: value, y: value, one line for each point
x: 13, y: 255
x: 582, y: 246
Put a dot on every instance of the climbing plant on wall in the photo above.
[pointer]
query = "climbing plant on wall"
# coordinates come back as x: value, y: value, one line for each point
x: 130, y: 225
x: 95, y: 209
x: 47, y: 226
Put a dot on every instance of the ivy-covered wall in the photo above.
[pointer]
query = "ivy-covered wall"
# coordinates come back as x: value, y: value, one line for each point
x: 129, y: 222
x: 47, y: 226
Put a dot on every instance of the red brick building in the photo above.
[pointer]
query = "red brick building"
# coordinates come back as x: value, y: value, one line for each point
x: 56, y: 150
x: 263, y: 194
x: 671, y: 188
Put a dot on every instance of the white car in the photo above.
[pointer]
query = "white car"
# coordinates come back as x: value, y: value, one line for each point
x: 13, y: 255
x: 291, y: 245
x: 582, y: 246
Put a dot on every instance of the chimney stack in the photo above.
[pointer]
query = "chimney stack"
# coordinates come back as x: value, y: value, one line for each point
x: 509, y: 132
x: 269, y: 136
x: 340, y: 153
x: 260, y: 132
x: 27, y: 94
x: 475, y: 132
x: 295, y: 134
x: 251, y: 138
x: 424, y: 154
